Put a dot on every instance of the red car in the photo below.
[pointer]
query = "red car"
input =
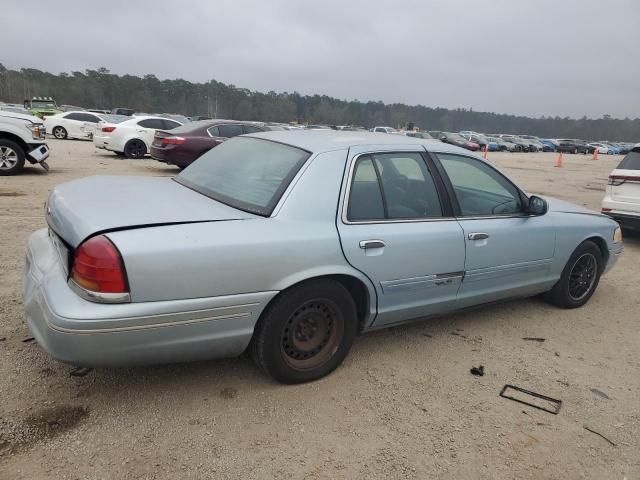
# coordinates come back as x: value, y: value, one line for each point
x: 183, y: 145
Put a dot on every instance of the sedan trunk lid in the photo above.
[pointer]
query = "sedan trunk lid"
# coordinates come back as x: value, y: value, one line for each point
x: 79, y: 209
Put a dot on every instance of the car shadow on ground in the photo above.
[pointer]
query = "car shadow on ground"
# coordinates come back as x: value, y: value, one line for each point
x: 241, y: 373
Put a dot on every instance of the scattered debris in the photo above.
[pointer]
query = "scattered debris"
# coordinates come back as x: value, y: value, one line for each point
x: 80, y: 371
x: 534, y: 339
x: 599, y: 434
x: 28, y: 339
x: 2, y: 339
x: 562, y: 382
x: 457, y: 334
x: 427, y: 335
x: 548, y: 404
x: 477, y: 371
x: 600, y: 393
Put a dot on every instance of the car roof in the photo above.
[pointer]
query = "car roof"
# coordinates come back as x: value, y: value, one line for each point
x: 327, y: 140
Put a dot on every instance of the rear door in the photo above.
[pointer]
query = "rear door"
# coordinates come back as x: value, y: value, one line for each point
x: 508, y: 252
x: 146, y: 129
x: 396, y: 226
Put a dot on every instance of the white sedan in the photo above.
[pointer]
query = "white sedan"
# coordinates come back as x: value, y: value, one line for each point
x: 76, y: 124
x: 131, y: 138
x: 602, y: 147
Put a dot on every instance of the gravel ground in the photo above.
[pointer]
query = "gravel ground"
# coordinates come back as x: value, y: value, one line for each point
x: 403, y: 405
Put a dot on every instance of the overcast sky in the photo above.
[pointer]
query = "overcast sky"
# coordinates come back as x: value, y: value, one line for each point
x: 530, y: 57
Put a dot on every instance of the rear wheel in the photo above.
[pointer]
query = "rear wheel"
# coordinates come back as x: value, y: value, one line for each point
x: 60, y: 133
x: 306, y: 332
x: 11, y: 157
x: 135, y: 149
x: 580, y: 277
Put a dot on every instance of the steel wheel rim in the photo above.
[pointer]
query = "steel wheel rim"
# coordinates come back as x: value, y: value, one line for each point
x: 58, y: 133
x: 582, y: 276
x: 312, y: 334
x: 8, y: 158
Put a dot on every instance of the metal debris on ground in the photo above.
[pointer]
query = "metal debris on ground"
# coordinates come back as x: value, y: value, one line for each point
x: 548, y: 404
x: 80, y: 371
x: 28, y: 339
x: 600, y: 393
x: 534, y: 339
x: 599, y: 434
x: 477, y: 371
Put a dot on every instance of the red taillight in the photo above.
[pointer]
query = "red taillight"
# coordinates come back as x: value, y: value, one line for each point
x: 98, y: 267
x: 173, y: 140
x: 108, y: 129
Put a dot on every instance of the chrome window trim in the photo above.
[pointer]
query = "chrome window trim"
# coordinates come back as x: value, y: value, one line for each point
x: 345, y: 203
x: 98, y: 297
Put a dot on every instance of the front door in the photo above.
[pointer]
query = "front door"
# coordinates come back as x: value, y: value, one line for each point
x: 395, y: 228
x: 508, y: 252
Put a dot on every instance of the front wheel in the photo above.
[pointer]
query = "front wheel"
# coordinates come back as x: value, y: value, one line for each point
x: 60, y: 133
x: 11, y: 157
x: 306, y: 332
x: 580, y: 277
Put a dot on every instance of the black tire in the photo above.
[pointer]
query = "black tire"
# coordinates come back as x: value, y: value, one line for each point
x: 561, y: 294
x: 321, y: 313
x: 11, y: 157
x: 59, y: 132
x: 135, y: 149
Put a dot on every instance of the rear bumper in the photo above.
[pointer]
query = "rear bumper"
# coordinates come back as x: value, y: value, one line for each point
x: 83, y: 333
x: 626, y: 220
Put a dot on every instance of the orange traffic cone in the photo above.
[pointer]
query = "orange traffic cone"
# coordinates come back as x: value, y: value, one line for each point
x: 595, y: 153
x: 559, y: 161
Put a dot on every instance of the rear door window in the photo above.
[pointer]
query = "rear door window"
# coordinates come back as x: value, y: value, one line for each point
x: 155, y: 123
x: 251, y: 129
x: 229, y: 131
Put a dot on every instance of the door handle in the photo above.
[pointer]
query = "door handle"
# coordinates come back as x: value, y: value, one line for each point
x: 366, y: 244
x: 478, y: 236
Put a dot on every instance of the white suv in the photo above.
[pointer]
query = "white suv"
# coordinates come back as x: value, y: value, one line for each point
x: 622, y: 198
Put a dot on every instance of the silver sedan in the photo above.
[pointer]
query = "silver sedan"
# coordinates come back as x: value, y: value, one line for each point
x: 289, y: 244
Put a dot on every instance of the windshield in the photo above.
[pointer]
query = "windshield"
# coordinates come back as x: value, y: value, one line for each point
x: 455, y: 136
x: 247, y: 173
x: 631, y: 161
x: 36, y: 104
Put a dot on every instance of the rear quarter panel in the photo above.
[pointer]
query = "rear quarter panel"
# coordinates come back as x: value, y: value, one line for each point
x: 300, y: 241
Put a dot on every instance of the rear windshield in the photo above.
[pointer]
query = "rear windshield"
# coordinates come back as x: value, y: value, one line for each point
x: 631, y: 161
x: 247, y: 173
x: 113, y: 118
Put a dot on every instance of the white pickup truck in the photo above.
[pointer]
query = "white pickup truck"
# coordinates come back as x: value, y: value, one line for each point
x: 22, y: 137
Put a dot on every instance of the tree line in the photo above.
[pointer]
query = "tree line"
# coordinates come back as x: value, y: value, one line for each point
x: 102, y: 89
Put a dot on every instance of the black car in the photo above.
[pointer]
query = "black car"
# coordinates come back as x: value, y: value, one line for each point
x: 572, y: 145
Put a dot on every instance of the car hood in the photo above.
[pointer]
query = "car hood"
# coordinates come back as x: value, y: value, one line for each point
x: 21, y: 116
x: 556, y: 205
x: 85, y: 207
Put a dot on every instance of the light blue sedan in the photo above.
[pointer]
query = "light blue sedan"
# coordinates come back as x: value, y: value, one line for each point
x: 291, y: 243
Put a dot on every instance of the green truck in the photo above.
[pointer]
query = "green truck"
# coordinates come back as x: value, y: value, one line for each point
x: 42, y: 106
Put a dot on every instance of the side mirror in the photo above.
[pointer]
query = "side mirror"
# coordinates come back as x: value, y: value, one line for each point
x: 537, y: 205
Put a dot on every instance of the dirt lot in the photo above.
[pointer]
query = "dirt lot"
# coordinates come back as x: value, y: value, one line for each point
x: 403, y: 405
